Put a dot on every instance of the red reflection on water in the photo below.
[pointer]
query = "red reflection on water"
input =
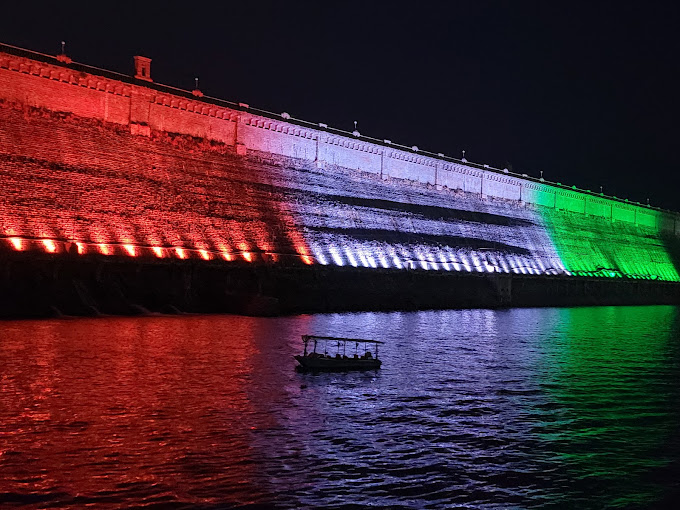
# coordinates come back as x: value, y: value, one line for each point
x: 100, y: 406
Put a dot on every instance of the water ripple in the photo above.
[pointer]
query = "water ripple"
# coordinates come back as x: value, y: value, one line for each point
x: 541, y: 408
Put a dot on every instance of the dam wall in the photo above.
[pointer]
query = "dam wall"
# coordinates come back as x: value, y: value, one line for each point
x: 121, y: 177
x: 43, y: 81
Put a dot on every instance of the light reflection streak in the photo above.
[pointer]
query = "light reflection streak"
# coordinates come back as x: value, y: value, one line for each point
x: 350, y: 257
x: 504, y: 265
x: 245, y: 252
x: 355, y: 253
x: 371, y: 255
x: 393, y: 255
x: 420, y: 259
x: 443, y: 261
x: 452, y: 257
x: 430, y: 257
x: 476, y: 263
x: 466, y: 263
x: 381, y: 257
x: 531, y: 266
x: 17, y: 243
x: 335, y: 255
x: 49, y: 245
x: 406, y: 257
x: 362, y: 257
x: 370, y: 259
x: 368, y: 255
x: 319, y: 255
x: 225, y: 252
x: 304, y: 254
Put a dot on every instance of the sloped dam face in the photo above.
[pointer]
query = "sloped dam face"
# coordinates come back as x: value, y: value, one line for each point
x: 95, y: 218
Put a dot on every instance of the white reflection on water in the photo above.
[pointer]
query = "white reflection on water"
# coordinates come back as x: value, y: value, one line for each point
x: 484, y: 408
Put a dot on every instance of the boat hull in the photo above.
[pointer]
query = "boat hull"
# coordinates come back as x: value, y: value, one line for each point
x: 336, y: 364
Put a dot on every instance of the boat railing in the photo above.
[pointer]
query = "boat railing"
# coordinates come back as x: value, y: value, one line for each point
x: 340, y: 341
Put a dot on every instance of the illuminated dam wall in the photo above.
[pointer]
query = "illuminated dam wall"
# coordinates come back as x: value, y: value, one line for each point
x: 100, y: 168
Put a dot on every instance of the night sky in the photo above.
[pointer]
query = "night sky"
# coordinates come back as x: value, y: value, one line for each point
x: 588, y: 94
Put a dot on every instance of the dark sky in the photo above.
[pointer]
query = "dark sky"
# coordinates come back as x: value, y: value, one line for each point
x: 588, y: 94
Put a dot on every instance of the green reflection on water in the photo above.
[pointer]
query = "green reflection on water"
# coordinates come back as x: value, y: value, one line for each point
x: 608, y: 377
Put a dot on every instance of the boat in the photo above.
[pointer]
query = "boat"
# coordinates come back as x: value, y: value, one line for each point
x: 345, y: 354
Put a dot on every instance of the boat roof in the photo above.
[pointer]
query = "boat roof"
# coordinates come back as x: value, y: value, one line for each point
x: 340, y: 339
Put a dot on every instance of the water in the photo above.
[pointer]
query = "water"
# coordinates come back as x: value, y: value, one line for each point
x: 524, y: 408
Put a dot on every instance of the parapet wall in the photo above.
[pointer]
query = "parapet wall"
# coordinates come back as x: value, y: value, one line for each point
x: 42, y: 81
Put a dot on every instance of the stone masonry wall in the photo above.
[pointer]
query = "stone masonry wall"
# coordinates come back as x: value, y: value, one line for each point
x: 44, y: 82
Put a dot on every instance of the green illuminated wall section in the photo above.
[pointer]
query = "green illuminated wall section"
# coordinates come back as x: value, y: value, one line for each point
x: 610, y: 239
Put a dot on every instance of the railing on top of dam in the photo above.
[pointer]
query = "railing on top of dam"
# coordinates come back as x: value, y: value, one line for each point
x: 283, y: 117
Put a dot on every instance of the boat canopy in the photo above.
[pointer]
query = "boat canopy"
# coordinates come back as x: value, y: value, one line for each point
x: 307, y: 338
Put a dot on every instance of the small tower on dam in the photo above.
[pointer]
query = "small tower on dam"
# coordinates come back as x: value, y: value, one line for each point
x: 142, y: 68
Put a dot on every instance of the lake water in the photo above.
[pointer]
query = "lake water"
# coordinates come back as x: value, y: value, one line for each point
x: 521, y: 408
